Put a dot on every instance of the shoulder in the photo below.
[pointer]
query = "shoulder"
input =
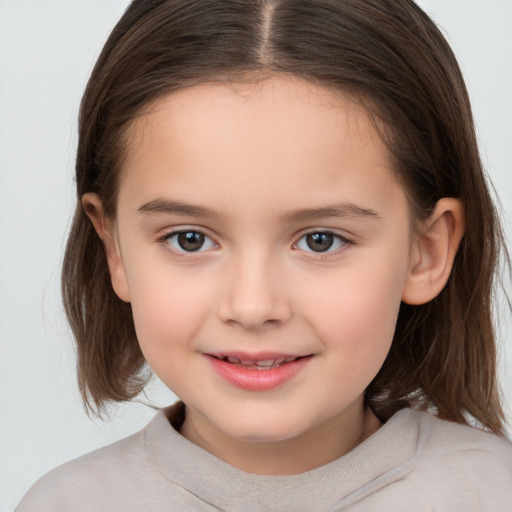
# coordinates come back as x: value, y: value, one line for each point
x: 461, y: 442
x: 116, y: 477
x: 87, y: 477
x: 127, y: 475
x: 462, y: 465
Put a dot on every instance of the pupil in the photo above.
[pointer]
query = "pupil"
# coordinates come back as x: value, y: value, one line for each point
x: 319, y: 242
x: 191, y: 241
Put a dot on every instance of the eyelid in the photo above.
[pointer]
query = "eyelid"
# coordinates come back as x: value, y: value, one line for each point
x: 163, y: 240
x: 329, y: 253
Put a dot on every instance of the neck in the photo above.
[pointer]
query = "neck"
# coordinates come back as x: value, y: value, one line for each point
x: 316, y: 447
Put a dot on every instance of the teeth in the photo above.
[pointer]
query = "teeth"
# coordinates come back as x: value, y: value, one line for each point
x: 266, y: 364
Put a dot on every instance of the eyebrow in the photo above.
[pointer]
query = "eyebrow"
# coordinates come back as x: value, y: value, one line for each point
x: 337, y: 210
x: 174, y: 207
x: 171, y: 207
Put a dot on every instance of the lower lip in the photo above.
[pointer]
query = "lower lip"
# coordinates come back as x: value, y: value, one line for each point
x: 257, y: 380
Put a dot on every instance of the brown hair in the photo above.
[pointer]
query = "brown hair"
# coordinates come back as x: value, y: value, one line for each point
x: 395, y: 60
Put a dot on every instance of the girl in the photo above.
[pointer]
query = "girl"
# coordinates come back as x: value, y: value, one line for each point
x: 281, y: 209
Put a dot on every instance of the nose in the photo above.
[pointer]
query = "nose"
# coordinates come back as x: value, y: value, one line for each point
x: 255, y: 294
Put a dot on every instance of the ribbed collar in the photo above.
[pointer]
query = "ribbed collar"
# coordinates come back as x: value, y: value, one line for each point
x: 376, y: 462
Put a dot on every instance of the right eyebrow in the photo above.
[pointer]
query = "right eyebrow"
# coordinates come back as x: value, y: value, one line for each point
x: 336, y: 210
x: 170, y: 207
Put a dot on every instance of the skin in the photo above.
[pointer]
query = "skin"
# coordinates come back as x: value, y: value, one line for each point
x: 268, y: 163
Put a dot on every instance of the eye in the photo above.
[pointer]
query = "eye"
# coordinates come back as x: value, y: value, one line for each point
x: 321, y: 241
x: 189, y: 241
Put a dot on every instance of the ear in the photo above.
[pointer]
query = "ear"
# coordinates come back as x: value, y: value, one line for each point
x: 433, y: 252
x: 105, y: 228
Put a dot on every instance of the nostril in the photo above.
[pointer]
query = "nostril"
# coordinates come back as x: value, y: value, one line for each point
x: 254, y: 304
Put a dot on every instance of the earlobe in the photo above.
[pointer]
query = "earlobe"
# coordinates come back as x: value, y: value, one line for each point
x: 434, y: 251
x: 105, y: 229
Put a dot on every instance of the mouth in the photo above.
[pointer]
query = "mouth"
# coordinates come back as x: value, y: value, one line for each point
x: 258, y: 372
x: 268, y: 363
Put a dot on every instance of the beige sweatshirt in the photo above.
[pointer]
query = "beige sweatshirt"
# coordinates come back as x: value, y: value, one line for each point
x: 415, y: 462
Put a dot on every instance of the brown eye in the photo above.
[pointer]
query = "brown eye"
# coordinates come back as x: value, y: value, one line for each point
x: 319, y: 242
x: 189, y: 241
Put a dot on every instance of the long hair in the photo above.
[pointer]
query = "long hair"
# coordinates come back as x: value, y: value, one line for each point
x: 390, y: 56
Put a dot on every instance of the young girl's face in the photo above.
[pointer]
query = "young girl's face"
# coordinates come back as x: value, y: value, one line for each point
x: 264, y: 244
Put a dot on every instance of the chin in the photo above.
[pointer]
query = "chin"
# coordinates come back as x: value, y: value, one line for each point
x: 262, y: 431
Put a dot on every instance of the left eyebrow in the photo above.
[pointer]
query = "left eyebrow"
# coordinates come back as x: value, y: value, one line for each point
x: 170, y: 207
x: 338, y: 210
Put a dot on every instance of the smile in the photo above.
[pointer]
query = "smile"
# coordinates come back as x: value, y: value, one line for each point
x: 258, y: 372
x: 265, y: 364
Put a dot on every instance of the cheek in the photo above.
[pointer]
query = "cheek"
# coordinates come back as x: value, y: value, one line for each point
x: 167, y: 319
x: 356, y: 311
x: 356, y: 327
x: 169, y: 307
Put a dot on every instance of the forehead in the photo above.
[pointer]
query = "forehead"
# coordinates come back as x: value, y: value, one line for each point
x: 283, y: 138
x: 278, y: 101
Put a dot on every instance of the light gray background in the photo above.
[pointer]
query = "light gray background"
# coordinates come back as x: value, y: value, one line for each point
x: 47, y: 49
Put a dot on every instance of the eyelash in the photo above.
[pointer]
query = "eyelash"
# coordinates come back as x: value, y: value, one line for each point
x: 179, y: 251
x: 336, y: 238
x: 342, y: 241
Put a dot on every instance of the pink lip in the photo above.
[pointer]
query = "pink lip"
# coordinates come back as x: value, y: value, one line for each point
x: 257, y: 380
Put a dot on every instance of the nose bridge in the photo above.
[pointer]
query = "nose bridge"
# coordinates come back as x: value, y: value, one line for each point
x: 254, y: 292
